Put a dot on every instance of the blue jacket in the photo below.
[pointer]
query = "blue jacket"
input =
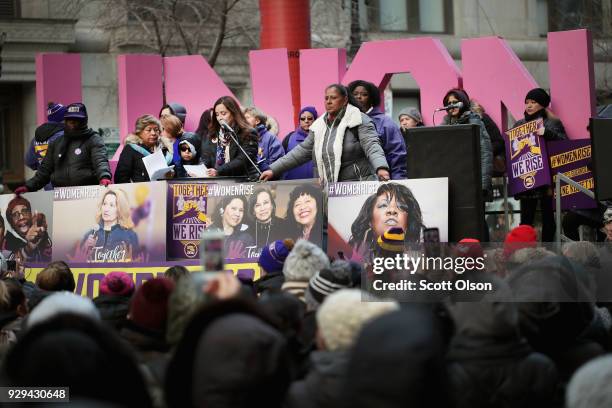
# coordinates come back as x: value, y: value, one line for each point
x: 43, y: 136
x: 270, y: 148
x: 392, y: 143
x: 116, y: 238
x: 303, y: 171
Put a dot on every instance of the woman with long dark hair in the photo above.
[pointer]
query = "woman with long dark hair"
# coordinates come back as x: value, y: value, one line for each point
x: 229, y: 217
x: 305, y: 213
x: 393, y: 206
x: 229, y: 160
x: 343, y: 144
x: 264, y: 224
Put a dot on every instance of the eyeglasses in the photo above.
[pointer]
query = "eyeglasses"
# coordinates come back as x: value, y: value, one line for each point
x: 25, y: 213
x: 306, y: 119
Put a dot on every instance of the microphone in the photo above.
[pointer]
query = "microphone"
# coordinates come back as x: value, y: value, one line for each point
x: 232, y: 134
x: 94, y: 231
x: 451, y: 106
x: 225, y: 126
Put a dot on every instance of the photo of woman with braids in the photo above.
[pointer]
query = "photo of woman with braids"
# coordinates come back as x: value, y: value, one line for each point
x: 393, y: 205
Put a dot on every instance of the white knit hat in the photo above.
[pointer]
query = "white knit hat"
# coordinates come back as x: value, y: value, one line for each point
x: 304, y: 260
x: 62, y: 302
x: 588, y: 388
x: 343, y: 314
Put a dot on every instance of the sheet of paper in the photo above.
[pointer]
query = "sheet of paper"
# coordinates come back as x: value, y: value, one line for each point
x: 198, y: 170
x: 160, y: 173
x: 154, y: 162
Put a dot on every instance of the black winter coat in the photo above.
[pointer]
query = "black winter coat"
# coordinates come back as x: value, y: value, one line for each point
x: 84, y: 162
x: 238, y: 164
x: 130, y: 167
x: 322, y: 387
x: 113, y: 309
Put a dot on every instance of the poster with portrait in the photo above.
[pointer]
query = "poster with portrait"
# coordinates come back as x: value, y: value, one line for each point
x: 572, y: 158
x: 526, y: 158
x: 26, y: 226
x: 360, y: 212
x: 122, y: 223
x: 252, y: 215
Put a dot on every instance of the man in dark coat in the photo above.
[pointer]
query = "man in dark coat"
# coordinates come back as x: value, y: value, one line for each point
x: 78, y: 158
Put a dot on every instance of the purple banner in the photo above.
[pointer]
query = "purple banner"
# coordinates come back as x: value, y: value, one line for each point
x: 526, y: 158
x: 571, y: 157
x: 252, y: 215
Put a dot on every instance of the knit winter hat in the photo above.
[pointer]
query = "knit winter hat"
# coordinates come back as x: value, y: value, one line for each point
x: 117, y: 284
x: 62, y: 302
x: 343, y: 314
x: 411, y: 112
x: 469, y: 248
x: 310, y: 109
x: 149, y: 307
x: 192, y: 148
x: 523, y: 236
x: 177, y: 110
x: 329, y: 280
x: 607, y: 217
x: 55, y: 112
x: 273, y: 256
x: 392, y: 240
x: 304, y: 261
x: 539, y: 95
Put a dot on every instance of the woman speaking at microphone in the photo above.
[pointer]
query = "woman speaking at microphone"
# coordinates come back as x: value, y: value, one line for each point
x: 228, y: 123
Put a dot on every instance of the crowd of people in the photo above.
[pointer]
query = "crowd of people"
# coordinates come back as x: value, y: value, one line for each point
x: 310, y: 333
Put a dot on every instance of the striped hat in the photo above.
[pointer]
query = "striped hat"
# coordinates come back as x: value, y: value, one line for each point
x: 392, y: 240
x: 330, y: 280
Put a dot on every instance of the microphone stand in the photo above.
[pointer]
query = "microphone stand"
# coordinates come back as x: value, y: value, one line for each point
x: 232, y: 134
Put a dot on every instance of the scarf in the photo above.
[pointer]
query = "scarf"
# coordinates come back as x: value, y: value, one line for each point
x: 223, y: 142
x: 350, y: 118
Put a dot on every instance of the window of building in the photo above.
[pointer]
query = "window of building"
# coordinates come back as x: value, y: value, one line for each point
x: 11, y: 134
x: 542, y: 17
x: 9, y: 8
x: 414, y: 16
x: 596, y: 15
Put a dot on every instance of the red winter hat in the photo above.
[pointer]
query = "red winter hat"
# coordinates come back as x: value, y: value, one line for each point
x: 149, y: 307
x: 117, y: 284
x: 523, y: 236
x: 469, y: 248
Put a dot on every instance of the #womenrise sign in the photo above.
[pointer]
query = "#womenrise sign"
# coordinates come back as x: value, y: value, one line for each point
x: 118, y: 224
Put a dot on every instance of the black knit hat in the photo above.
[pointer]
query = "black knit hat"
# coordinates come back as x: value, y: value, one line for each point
x: 539, y: 95
x: 329, y: 280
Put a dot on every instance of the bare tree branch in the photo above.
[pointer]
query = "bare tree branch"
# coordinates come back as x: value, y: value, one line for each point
x: 216, y: 48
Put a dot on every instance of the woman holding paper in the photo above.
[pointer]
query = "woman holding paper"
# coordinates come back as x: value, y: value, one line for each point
x: 536, y: 106
x: 144, y: 142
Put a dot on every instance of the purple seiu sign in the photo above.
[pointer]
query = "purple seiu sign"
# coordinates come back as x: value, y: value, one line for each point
x: 571, y: 157
x: 526, y: 158
x: 186, y: 219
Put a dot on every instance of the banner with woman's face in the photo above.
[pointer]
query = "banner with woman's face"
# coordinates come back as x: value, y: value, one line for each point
x: 26, y: 226
x: 117, y: 224
x: 361, y: 212
x: 251, y: 215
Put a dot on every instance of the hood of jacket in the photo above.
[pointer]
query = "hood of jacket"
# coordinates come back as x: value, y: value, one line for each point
x: 46, y: 130
x: 407, y: 350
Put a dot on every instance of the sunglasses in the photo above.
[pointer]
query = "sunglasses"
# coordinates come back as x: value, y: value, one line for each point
x: 303, y: 119
x: 184, y: 148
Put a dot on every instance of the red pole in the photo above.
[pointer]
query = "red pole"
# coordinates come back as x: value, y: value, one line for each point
x: 286, y: 24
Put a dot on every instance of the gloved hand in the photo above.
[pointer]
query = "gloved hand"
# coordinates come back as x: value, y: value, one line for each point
x: 20, y: 190
x: 105, y: 182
